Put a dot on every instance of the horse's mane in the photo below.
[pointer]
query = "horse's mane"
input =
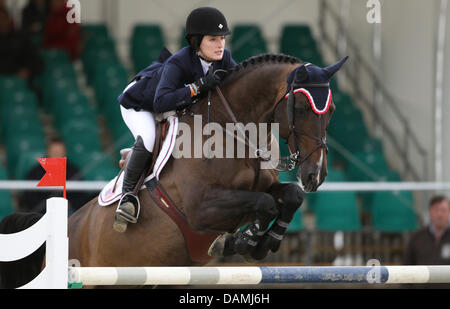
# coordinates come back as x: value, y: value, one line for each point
x: 256, y: 61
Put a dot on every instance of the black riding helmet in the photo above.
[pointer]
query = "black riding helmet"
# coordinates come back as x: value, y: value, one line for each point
x: 205, y: 21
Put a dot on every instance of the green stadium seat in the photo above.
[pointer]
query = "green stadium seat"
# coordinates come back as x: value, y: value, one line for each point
x: 89, y: 159
x: 19, y: 106
x: 310, y: 55
x: 21, y: 143
x: 382, y: 175
x: 334, y: 175
x: 76, y: 107
x: 393, y: 212
x: 26, y: 161
x: 122, y: 140
x: 247, y: 41
x: 54, y: 56
x: 146, y: 43
x: 147, y: 30
x: 3, y: 173
x: 143, y: 57
x: 55, y: 90
x: 78, y: 127
x: 345, y: 109
x: 337, y: 211
x: 16, y: 127
x: 91, y: 32
x: 59, y: 71
x: 94, y: 57
x: 9, y: 83
x: 109, y: 77
x: 81, y: 135
x: 374, y: 162
x: 109, y: 92
x: 296, y: 35
x: 121, y: 135
x: 101, y: 170
x: 297, y: 41
x: 296, y: 224
x: 23, y: 98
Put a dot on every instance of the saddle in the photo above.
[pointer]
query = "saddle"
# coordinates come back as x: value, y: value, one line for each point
x: 197, y: 243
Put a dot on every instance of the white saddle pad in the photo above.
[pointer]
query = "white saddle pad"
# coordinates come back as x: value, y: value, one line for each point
x: 111, y: 194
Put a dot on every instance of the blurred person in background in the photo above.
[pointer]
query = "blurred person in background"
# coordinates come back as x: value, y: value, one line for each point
x: 430, y: 245
x: 35, y: 201
x: 18, y: 55
x: 34, y: 16
x: 58, y: 33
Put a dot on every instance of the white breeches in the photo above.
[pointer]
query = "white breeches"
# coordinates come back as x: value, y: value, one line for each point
x: 140, y: 123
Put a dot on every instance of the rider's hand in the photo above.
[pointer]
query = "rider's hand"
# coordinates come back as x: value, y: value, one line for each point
x: 207, y: 82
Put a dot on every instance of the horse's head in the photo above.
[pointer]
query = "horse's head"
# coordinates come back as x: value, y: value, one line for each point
x: 304, y: 121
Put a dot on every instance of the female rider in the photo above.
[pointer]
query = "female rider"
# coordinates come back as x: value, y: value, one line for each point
x: 171, y: 83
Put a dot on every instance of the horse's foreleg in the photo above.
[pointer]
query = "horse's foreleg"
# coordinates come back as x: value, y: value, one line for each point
x: 222, y: 209
x: 289, y: 197
x: 225, y: 210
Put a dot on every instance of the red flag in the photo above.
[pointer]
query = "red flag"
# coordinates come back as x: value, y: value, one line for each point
x: 55, y: 175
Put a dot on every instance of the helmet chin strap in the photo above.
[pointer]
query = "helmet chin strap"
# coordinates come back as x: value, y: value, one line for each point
x: 198, y: 54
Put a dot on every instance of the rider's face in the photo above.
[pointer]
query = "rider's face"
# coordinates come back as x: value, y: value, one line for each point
x: 212, y: 47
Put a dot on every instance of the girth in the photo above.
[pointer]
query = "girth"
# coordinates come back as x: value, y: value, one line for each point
x: 197, y: 243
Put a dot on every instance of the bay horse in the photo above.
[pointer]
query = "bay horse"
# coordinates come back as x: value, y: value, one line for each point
x: 220, y: 195
x: 217, y: 194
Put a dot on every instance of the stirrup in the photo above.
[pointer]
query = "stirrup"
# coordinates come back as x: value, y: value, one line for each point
x: 126, y: 216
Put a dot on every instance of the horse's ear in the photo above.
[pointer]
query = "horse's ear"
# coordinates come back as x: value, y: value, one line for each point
x: 301, y: 75
x: 332, y: 69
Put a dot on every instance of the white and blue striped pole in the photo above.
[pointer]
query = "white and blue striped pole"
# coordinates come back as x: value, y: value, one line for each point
x: 257, y: 275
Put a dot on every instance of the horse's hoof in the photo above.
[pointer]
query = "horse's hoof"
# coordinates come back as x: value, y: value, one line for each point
x: 249, y: 259
x: 217, y: 247
x: 222, y: 246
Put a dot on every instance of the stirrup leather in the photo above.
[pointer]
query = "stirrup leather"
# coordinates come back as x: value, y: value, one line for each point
x: 126, y: 216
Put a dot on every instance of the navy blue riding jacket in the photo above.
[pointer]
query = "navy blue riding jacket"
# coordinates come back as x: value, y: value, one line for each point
x: 161, y: 87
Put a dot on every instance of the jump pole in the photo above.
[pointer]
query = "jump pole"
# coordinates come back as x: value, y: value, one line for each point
x: 257, y: 275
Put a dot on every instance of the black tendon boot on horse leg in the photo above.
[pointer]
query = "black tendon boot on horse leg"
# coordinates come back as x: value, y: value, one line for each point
x: 245, y: 241
x: 290, y: 201
x: 126, y: 210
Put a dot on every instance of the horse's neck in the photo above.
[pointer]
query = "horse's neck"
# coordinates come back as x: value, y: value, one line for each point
x: 252, y: 96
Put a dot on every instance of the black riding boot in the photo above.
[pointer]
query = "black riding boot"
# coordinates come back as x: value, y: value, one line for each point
x: 140, y: 158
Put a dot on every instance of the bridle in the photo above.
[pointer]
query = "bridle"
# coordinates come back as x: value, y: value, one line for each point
x: 294, y: 159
